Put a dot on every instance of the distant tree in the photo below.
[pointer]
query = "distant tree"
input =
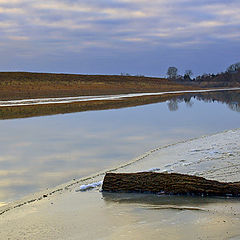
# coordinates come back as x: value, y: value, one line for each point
x: 188, y: 74
x: 205, y: 75
x: 198, y: 78
x: 172, y: 72
x: 125, y: 74
x: 234, y: 67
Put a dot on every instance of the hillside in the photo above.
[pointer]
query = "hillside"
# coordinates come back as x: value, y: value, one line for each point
x: 19, y: 85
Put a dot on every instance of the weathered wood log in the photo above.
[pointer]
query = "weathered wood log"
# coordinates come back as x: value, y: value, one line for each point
x: 165, y: 183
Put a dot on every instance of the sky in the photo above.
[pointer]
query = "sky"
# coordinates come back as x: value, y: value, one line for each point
x: 119, y: 36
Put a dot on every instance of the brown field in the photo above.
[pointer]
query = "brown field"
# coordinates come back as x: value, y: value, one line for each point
x: 19, y: 85
x: 23, y: 85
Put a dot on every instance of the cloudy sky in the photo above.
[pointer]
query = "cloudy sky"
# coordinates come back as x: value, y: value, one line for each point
x: 114, y: 36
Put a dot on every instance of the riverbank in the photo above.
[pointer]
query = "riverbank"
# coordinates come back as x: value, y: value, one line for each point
x: 50, y: 106
x: 64, y: 213
x: 26, y: 85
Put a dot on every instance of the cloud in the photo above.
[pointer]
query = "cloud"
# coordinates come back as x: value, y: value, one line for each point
x: 11, y: 10
x: 146, y: 20
x: 18, y: 38
x: 113, y: 26
x: 6, y: 25
x: 12, y: 173
x: 134, y: 39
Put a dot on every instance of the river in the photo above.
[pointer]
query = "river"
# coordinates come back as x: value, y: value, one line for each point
x: 42, y: 152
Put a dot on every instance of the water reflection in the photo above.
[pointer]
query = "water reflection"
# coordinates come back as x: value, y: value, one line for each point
x: 176, y: 217
x: 161, y: 202
x: 232, y: 99
x: 173, y: 105
x: 36, y: 153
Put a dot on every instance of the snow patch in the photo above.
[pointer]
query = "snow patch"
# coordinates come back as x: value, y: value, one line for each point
x: 153, y: 170
x: 89, y: 186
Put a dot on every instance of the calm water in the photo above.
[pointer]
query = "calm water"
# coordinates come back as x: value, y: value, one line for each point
x: 37, y: 153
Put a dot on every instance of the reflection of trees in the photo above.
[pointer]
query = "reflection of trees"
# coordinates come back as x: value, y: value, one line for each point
x: 234, y: 106
x: 173, y: 105
x: 189, y: 104
x: 231, y: 98
x: 188, y: 101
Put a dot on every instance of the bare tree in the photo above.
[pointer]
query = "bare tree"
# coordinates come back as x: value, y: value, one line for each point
x: 172, y: 72
x: 188, y: 74
x: 234, y: 67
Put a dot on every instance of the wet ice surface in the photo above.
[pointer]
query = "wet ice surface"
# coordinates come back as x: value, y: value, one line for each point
x: 214, y: 157
x: 149, y: 216
x: 68, y: 214
x: 43, y: 152
x: 95, y: 215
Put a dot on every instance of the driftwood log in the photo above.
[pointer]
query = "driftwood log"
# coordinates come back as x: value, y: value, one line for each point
x: 165, y: 183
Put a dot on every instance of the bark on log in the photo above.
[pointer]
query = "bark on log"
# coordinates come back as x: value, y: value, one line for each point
x: 165, y: 183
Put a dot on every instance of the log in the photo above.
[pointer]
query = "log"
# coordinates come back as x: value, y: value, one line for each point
x: 168, y: 183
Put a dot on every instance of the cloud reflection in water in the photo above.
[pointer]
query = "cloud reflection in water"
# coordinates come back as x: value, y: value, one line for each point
x: 37, y: 153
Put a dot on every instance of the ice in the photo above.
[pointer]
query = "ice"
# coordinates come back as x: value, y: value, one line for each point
x: 89, y: 186
x: 153, y: 170
x: 219, y: 158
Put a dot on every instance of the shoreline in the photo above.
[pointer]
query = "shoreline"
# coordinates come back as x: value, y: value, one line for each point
x: 64, y: 212
x: 39, y: 108
x: 37, y: 85
x: 46, y: 101
x: 141, y: 162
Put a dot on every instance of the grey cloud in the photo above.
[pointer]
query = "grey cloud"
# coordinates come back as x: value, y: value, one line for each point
x: 65, y: 27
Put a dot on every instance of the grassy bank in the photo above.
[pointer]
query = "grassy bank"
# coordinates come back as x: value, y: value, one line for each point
x: 19, y: 85
x: 25, y: 85
x: 52, y: 109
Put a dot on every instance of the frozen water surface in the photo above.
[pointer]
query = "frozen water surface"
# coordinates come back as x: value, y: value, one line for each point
x: 41, y: 152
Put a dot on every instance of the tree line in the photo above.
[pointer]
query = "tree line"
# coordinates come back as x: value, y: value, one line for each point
x: 172, y: 73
